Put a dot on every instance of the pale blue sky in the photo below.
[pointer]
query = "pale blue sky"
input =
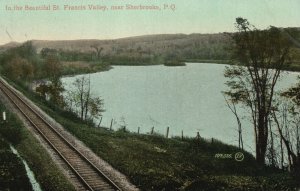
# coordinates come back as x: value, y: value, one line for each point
x: 190, y: 16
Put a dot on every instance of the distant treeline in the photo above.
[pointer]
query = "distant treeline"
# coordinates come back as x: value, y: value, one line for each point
x: 142, y: 51
x: 23, y: 63
x: 117, y: 59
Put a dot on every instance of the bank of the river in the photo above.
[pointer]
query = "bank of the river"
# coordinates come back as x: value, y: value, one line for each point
x: 293, y: 66
x: 46, y: 172
x: 153, y: 162
x: 82, y: 67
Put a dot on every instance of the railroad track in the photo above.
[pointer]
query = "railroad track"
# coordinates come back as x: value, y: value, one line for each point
x: 91, y: 177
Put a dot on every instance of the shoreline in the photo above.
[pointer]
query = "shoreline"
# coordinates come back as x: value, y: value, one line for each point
x: 294, y: 68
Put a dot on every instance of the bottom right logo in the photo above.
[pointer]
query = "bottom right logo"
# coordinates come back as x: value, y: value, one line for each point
x: 239, y: 156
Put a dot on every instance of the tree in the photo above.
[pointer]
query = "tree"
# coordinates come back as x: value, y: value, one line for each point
x: 289, y: 132
x: 19, y: 63
x: 14, y: 68
x: 19, y: 68
x: 53, y: 68
x: 42, y: 90
x: 261, y: 55
x: 86, y: 105
x: 28, y: 70
x: 293, y: 93
x: 53, y: 72
x: 289, y: 128
x: 98, y: 50
x: 231, y: 104
x: 26, y: 50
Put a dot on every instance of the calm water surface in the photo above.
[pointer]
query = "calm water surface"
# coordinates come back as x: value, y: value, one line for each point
x: 187, y: 98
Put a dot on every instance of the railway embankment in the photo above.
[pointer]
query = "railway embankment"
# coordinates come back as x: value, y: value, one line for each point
x: 59, y: 157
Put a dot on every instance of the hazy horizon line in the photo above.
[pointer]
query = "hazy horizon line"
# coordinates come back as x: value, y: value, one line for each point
x: 116, y: 38
x: 125, y: 37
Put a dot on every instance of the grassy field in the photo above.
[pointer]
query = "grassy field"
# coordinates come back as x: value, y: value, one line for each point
x: 46, y: 172
x: 153, y: 162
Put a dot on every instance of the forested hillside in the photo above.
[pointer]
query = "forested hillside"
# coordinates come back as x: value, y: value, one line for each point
x: 145, y: 50
x: 152, y: 49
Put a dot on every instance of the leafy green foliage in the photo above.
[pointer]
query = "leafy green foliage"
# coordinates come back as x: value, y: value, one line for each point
x: 21, y: 63
x: 80, y: 100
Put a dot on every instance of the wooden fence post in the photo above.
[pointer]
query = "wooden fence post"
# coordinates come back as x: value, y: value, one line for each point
x: 138, y: 130
x: 100, y: 122
x: 198, y: 135
x: 167, y: 135
x: 152, y: 130
x: 4, y: 116
x: 181, y: 134
x: 111, y: 122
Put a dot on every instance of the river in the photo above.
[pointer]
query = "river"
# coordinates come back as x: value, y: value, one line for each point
x: 187, y: 98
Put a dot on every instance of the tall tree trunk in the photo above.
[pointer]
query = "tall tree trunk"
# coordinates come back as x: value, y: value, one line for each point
x: 292, y: 157
x: 262, y: 141
x: 87, y: 100
x: 81, y: 98
x: 281, y: 151
x: 232, y: 106
x: 272, y: 145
